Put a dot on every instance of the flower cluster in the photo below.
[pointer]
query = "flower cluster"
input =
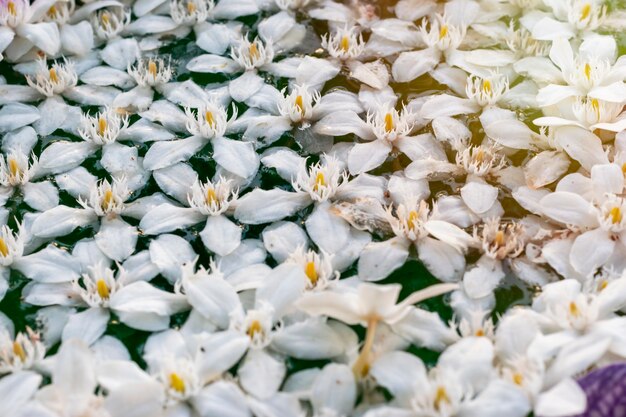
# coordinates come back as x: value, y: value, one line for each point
x: 310, y: 207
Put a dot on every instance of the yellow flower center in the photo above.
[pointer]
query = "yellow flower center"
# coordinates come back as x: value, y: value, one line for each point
x: 177, y: 383
x: 573, y: 309
x: 412, y: 221
x: 480, y: 333
x: 300, y: 104
x: 254, y: 328
x: 253, y: 51
x: 191, y: 7
x: 345, y: 44
x: 4, y: 249
x: 102, y: 126
x: 499, y: 238
x: 443, y: 32
x: 585, y: 11
x: 18, y: 350
x: 103, y: 289
x: 52, y: 72
x: 106, y: 20
x: 320, y: 181
x: 311, y: 273
x: 208, y: 116
x: 52, y: 11
x: 595, y: 105
x: 587, y: 71
x: 603, y: 285
x: 14, y: 168
x: 107, y: 200
x: 11, y: 8
x: 211, y: 196
x: 441, y: 396
x: 487, y: 86
x: 518, y: 378
x: 152, y: 68
x: 388, y: 122
x: 616, y: 215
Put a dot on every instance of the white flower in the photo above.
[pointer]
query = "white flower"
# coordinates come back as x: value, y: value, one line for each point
x: 11, y: 245
x: 345, y: 44
x: 298, y: 106
x: 16, y: 169
x: 209, y: 121
x: 207, y: 203
x: 60, y: 12
x: 25, y: 351
x: 97, y: 286
x: 107, y: 199
x: 486, y: 91
x: 109, y: 22
x: 180, y: 380
x: 367, y: 305
x: 53, y: 80
x: 151, y: 71
x: 190, y: 12
x: 318, y: 268
x: 252, y: 55
x: 572, y: 18
x: 322, y: 180
x: 104, y: 127
x: 212, y: 199
x: 257, y: 324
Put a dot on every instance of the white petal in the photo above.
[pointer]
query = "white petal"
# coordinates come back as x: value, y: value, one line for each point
x: 411, y: 65
x: 169, y: 253
x: 49, y: 265
x: 479, y: 196
x: 266, y: 206
x: 309, y: 340
x: 167, y: 153
x: 281, y: 238
x: 166, y: 218
x: 261, y: 366
x: 41, y: 195
x: 62, y: 156
x: 238, y: 157
x: 364, y: 157
x: 87, y: 326
x: 569, y: 208
x: 61, y: 220
x: 334, y: 389
x: 379, y: 259
x: 116, y: 238
x: 220, y: 235
x: 591, y: 250
x: 214, y: 298
x: 565, y: 398
x: 483, y: 278
x: 329, y: 231
x: 442, y: 260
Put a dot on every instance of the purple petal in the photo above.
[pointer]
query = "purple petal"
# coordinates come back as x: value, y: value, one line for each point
x: 606, y: 391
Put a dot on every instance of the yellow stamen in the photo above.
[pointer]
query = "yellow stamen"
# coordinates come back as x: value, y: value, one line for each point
x: 191, y: 7
x: 616, y: 215
x: 103, y: 290
x: 208, y: 116
x: 480, y: 333
x: 107, y: 200
x: 211, y: 196
x: 11, y: 8
x: 441, y: 396
x: 300, y: 104
x: 499, y: 238
x: 106, y: 20
x: 388, y: 122
x: 320, y: 181
x: 518, y: 378
x: 14, y: 168
x: 573, y: 309
x: 345, y: 44
x: 487, y: 86
x: 4, y: 249
x: 253, y: 51
x: 254, y: 328
x: 18, y: 350
x: 480, y: 155
x: 177, y: 383
x: 595, y: 105
x: 411, y: 222
x: 603, y: 284
x: 588, y: 71
x: 624, y: 168
x: 53, y: 75
x: 152, y: 68
x: 443, y: 32
x: 311, y: 273
x: 102, y: 126
x: 585, y: 11
x: 52, y: 11
x: 361, y: 366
